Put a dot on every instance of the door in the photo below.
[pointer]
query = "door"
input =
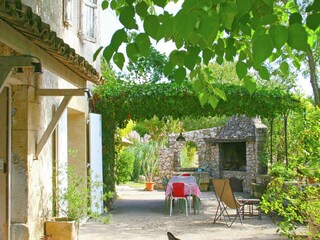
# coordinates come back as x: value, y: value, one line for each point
x: 95, y: 143
x: 4, y: 129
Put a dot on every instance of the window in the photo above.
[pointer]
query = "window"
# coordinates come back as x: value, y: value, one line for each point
x: 89, y: 29
x: 68, y: 12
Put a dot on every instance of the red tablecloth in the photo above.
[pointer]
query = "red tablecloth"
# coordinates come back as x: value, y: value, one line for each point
x: 190, y: 180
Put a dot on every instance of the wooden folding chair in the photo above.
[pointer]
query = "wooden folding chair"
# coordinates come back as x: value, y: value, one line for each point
x: 226, y: 199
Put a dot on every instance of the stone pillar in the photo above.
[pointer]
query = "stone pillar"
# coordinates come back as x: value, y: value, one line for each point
x: 19, y: 166
x: 165, y: 166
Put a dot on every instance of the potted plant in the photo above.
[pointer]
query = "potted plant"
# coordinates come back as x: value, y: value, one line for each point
x: 72, y: 206
x: 149, y: 163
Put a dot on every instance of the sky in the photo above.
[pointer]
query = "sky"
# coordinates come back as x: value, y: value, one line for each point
x: 111, y: 24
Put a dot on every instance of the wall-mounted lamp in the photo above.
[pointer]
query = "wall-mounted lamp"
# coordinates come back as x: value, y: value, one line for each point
x: 88, y: 92
x: 37, y: 65
x: 181, y: 138
x: 37, y: 68
x: 19, y: 70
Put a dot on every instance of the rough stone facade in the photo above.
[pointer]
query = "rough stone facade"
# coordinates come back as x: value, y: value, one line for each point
x: 210, y: 149
x: 28, y: 199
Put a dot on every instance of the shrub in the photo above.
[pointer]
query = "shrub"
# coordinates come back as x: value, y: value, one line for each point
x: 124, y: 166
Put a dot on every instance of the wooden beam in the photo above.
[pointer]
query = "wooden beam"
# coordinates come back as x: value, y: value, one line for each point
x: 4, y: 73
x: 15, y: 40
x: 60, y: 92
x: 52, y: 125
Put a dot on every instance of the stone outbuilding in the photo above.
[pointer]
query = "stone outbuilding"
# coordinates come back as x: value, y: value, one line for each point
x: 236, y: 149
x: 46, y: 73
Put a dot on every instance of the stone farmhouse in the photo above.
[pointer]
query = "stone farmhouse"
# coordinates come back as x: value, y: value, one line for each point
x: 46, y: 73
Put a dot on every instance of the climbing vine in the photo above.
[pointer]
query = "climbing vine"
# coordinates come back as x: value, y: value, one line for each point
x: 120, y: 101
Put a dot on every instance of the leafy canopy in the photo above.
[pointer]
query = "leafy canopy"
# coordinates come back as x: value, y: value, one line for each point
x: 251, y: 33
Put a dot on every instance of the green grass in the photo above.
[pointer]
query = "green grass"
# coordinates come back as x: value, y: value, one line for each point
x: 134, y: 184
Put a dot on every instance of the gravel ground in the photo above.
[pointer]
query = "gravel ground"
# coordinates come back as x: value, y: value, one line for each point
x: 139, y: 215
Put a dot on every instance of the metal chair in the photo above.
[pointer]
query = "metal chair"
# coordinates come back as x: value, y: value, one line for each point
x: 178, y: 192
x: 186, y: 174
x: 165, y: 181
x: 236, y: 184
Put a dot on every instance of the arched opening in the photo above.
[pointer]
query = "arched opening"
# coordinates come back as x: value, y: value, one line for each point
x: 189, y: 155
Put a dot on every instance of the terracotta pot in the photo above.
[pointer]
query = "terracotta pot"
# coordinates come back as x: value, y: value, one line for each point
x: 149, y: 186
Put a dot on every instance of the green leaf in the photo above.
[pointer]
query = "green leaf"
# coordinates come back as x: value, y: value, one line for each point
x: 227, y: 13
x: 190, y: 61
x: 105, y: 4
x: 132, y: 52
x: 268, y: 19
x: 219, y: 49
x: 250, y: 84
x: 180, y: 74
x: 177, y: 57
x: 185, y: 24
x: 295, y: 18
x: 142, y: 9
x: 208, y: 27
x: 118, y: 38
x: 108, y: 53
x: 178, y: 41
x: 207, y: 54
x: 298, y: 37
x: 166, y: 29
x: 197, y: 85
x: 127, y: 17
x: 160, y: 3
x: 118, y: 59
x: 246, y: 29
x: 243, y: 7
x: 203, y: 97
x: 241, y: 69
x: 313, y: 21
x: 151, y: 25
x: 231, y: 52
x: 213, y: 101
x: 284, y: 67
x: 279, y: 36
x: 114, y: 4
x: 219, y: 60
x: 264, y: 73
x: 143, y: 44
x: 220, y: 93
x: 130, y: 2
x: 261, y: 48
x: 296, y: 62
x: 95, y: 55
x: 167, y: 70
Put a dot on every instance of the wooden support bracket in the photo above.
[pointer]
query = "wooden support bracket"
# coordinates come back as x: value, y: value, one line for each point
x: 52, y: 125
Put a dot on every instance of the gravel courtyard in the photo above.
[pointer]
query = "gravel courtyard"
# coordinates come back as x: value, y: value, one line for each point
x: 139, y: 215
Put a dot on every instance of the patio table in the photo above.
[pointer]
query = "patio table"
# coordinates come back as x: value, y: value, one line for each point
x: 193, y: 187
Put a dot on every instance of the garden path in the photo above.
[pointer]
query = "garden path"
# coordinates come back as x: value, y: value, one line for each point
x: 139, y: 215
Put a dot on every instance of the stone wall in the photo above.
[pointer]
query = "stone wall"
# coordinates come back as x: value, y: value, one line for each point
x: 210, y: 143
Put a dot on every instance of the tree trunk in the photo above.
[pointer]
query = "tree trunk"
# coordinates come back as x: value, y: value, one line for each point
x: 313, y: 78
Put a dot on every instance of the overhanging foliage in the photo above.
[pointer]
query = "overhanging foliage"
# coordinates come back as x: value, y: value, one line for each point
x: 143, y: 101
x: 123, y: 101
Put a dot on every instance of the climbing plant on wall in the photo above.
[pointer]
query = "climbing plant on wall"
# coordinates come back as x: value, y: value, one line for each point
x: 119, y: 101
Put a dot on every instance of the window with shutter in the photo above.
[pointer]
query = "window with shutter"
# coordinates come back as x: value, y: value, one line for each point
x: 89, y: 29
x: 68, y: 13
